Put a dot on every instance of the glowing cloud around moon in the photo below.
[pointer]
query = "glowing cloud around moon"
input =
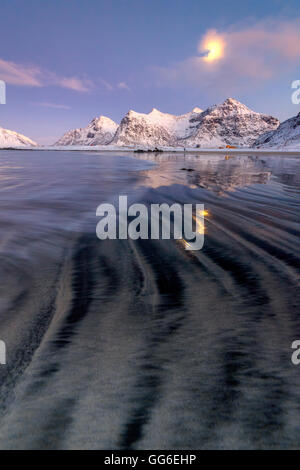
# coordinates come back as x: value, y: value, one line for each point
x: 213, y: 45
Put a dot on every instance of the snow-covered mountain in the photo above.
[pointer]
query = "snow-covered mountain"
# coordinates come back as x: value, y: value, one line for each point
x: 230, y: 123
x: 155, y: 128
x: 100, y: 131
x: 13, y: 139
x: 287, y: 135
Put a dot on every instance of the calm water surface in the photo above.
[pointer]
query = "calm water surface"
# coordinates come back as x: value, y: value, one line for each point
x: 122, y: 344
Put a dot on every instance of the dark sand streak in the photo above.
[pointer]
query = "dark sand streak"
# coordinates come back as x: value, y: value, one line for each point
x: 122, y: 344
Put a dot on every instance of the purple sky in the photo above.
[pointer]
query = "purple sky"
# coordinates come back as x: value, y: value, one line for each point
x: 67, y: 61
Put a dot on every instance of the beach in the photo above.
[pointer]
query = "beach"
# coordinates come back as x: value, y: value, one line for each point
x: 141, y: 344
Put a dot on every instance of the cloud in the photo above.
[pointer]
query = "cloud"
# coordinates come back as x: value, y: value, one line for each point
x: 16, y: 74
x: 248, y: 56
x: 109, y: 87
x: 106, y: 85
x: 123, y: 86
x: 51, y: 105
x: 33, y: 76
x: 73, y: 83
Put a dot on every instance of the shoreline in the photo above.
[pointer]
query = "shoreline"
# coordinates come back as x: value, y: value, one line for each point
x: 203, y: 151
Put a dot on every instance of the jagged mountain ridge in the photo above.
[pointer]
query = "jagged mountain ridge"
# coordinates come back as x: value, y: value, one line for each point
x: 100, y: 131
x: 287, y: 135
x: 155, y: 128
x: 14, y: 139
x: 230, y: 123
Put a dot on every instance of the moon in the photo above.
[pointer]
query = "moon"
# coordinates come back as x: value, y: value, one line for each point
x: 215, y: 50
x: 212, y: 46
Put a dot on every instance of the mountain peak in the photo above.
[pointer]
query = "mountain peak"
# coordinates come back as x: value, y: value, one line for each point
x: 101, y: 120
x: 287, y: 135
x: 100, y: 131
x: 230, y: 122
x: 14, y: 139
x: 155, y: 110
x: 230, y: 106
x: 233, y: 101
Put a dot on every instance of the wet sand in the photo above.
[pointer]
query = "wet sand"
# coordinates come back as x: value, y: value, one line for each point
x: 122, y: 344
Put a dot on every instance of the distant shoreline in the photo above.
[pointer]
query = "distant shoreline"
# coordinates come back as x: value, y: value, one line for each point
x: 202, y: 151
